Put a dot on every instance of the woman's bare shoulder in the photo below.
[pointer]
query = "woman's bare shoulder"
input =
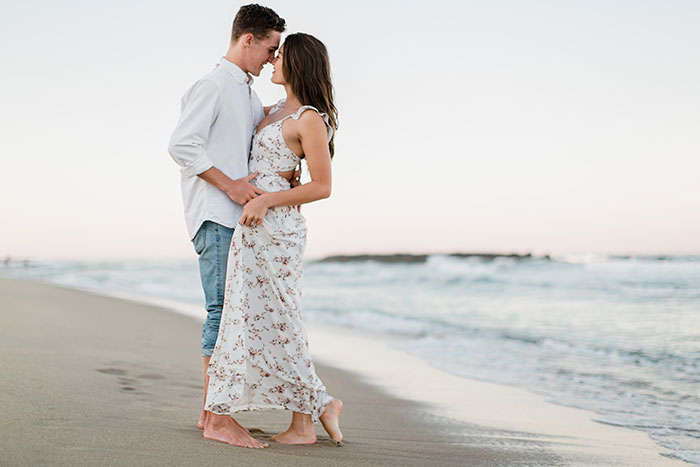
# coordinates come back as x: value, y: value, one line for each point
x: 311, y: 119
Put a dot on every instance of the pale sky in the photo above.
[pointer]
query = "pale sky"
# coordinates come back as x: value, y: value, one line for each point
x: 509, y: 126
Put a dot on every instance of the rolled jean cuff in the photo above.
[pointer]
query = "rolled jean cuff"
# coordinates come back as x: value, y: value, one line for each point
x: 207, y: 352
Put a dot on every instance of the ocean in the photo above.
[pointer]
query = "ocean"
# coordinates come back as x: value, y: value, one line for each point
x: 615, y: 335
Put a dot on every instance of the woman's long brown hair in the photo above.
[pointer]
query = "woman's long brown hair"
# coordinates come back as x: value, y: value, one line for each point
x: 307, y: 69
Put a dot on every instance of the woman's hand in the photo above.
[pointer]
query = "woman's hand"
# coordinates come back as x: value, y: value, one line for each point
x: 254, y: 211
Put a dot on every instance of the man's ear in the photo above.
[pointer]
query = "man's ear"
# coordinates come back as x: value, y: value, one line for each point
x: 248, y: 39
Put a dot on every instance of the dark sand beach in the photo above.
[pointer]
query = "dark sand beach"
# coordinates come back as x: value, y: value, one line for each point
x: 92, y: 380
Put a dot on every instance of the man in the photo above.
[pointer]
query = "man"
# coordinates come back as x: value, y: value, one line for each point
x: 211, y: 143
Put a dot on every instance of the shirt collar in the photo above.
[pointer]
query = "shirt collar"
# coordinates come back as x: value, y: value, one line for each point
x: 240, y: 75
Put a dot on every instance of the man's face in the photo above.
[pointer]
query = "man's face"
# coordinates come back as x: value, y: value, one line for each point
x: 262, y: 51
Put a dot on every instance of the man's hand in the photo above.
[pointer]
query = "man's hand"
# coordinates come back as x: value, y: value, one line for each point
x: 296, y: 179
x: 254, y: 211
x: 241, y: 191
x: 295, y: 182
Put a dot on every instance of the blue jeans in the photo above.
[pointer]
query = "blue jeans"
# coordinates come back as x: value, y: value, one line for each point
x: 212, y: 243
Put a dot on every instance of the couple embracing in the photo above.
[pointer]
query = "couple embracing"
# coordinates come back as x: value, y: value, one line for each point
x: 241, y: 191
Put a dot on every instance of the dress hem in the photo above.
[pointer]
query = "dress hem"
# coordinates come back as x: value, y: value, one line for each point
x: 230, y: 410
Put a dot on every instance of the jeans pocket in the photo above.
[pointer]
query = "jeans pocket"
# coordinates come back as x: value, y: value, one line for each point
x: 200, y: 238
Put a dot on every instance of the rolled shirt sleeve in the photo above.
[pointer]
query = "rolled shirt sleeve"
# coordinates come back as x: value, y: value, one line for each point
x: 200, y: 107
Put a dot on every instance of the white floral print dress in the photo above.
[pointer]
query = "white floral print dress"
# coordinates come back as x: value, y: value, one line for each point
x: 261, y: 359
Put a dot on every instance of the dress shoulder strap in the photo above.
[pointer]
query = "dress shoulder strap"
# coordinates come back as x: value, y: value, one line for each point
x: 301, y: 110
x: 277, y: 106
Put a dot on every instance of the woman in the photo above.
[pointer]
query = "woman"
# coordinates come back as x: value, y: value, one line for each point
x: 261, y: 359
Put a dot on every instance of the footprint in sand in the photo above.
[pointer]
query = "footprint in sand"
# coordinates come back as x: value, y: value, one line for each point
x: 150, y: 376
x: 112, y: 371
x: 127, y: 384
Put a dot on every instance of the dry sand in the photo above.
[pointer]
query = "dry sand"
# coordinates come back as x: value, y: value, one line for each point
x: 92, y: 380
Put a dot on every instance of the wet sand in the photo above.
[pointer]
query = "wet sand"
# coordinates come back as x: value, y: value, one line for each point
x: 87, y: 379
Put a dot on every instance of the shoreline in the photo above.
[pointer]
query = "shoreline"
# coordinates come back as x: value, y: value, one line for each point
x: 486, y: 404
x: 390, y: 398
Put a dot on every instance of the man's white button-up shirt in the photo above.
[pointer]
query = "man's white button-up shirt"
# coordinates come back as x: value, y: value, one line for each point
x: 219, y: 114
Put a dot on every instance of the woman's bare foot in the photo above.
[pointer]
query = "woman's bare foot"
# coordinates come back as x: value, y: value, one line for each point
x: 296, y: 437
x: 202, y: 419
x: 300, y: 431
x: 330, y: 418
x: 225, y: 429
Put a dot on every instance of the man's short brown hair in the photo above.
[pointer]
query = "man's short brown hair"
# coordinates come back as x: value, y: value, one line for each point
x: 256, y: 20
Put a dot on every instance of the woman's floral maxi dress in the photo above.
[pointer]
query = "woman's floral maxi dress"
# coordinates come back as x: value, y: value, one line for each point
x: 261, y: 359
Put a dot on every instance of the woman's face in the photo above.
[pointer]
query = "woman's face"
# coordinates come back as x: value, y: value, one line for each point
x: 278, y: 72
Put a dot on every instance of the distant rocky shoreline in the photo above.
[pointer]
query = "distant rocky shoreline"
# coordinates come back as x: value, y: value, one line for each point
x: 411, y: 258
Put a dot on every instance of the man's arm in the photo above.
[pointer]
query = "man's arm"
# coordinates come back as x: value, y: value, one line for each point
x: 187, y: 144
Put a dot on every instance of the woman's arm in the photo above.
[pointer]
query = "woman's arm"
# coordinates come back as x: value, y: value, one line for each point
x: 314, y: 142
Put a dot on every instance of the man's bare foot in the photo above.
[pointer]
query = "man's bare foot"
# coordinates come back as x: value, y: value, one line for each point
x: 292, y: 436
x: 330, y: 418
x: 225, y: 429
x: 203, y: 420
